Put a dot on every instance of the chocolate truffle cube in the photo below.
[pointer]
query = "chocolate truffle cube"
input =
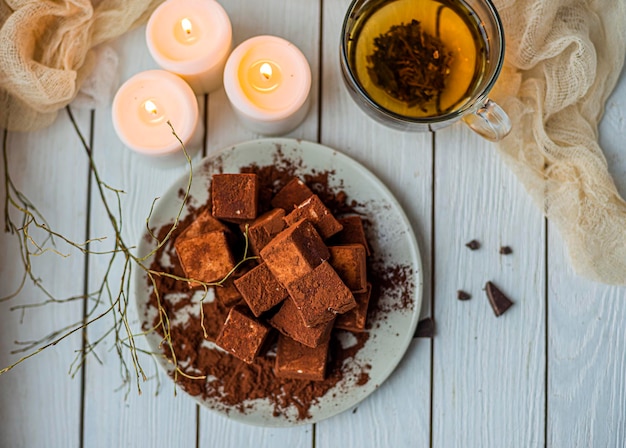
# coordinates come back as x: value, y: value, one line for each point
x: 234, y: 196
x: 320, y: 294
x: 297, y: 361
x: 355, y: 319
x: 314, y: 210
x: 227, y: 294
x: 260, y: 289
x: 350, y: 263
x: 204, y: 223
x: 242, y: 335
x: 291, y: 195
x: 206, y: 258
x: 290, y: 323
x: 294, y: 252
x: 352, y: 232
x: 264, y: 228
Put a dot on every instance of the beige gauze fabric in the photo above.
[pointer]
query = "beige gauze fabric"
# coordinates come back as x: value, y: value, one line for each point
x: 46, y: 52
x: 563, y: 58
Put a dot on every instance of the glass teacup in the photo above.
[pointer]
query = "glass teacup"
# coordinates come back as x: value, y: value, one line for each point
x: 421, y: 65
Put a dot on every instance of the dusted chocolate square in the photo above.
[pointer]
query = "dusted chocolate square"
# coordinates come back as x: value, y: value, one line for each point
x: 264, y: 228
x: 350, y: 263
x: 294, y: 252
x: 297, y: 361
x: 314, y: 210
x: 260, y: 289
x: 242, y: 335
x: 206, y: 258
x: 234, y: 196
x: 227, y: 293
x: 289, y: 322
x: 291, y: 195
x: 204, y: 223
x: 352, y: 232
x: 321, y: 294
x: 356, y: 318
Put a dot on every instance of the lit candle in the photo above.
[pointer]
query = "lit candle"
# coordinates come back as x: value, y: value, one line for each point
x: 191, y: 38
x: 268, y: 80
x: 145, y: 103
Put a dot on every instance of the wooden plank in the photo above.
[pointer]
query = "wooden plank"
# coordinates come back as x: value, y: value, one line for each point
x: 38, y: 164
x: 111, y: 419
x: 298, y: 23
x: 403, y: 161
x: 488, y: 387
x: 587, y: 328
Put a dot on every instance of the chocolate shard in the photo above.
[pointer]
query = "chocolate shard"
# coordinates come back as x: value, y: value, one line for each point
x: 473, y: 245
x: 499, y: 302
x: 425, y: 328
x: 506, y: 250
x: 462, y: 295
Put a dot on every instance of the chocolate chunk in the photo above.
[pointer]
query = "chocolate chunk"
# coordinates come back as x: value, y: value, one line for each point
x: 204, y: 223
x: 292, y: 194
x: 321, y: 294
x: 350, y: 263
x: 226, y: 293
x: 462, y: 295
x: 506, y: 250
x: 290, y: 323
x: 206, y: 258
x: 264, y: 228
x: 473, y: 245
x: 354, y: 320
x: 295, y: 360
x: 294, y: 252
x: 499, y: 302
x: 234, y: 197
x: 260, y: 289
x: 314, y: 211
x: 242, y: 335
x: 425, y: 328
x: 352, y: 233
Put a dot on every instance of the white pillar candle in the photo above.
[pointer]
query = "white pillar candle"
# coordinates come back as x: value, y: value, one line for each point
x: 145, y: 103
x: 268, y: 80
x: 191, y: 38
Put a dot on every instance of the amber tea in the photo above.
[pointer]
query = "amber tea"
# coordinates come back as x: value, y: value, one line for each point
x: 419, y: 58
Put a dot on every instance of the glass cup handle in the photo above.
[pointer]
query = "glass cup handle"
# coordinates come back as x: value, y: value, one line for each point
x: 489, y: 120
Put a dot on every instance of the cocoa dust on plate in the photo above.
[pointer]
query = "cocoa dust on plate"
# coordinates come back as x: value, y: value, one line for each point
x: 232, y: 383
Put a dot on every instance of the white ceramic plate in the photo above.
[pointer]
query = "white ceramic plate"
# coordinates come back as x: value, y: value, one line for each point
x: 391, y: 238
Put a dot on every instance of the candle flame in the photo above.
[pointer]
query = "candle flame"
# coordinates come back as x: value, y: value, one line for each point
x: 186, y: 25
x: 150, y: 107
x: 266, y: 70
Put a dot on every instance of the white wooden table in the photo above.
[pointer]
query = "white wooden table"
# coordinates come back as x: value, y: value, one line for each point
x: 550, y: 372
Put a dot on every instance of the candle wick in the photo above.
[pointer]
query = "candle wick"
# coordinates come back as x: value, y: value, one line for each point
x: 186, y: 25
x: 151, y: 108
x: 266, y: 71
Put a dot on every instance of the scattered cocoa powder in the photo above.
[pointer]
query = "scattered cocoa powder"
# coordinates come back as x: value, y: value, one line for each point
x: 231, y: 382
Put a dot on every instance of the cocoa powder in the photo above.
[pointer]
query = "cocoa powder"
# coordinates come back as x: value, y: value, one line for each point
x: 230, y: 382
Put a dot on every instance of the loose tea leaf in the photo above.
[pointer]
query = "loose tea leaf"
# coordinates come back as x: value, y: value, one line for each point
x: 473, y: 245
x: 410, y: 64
